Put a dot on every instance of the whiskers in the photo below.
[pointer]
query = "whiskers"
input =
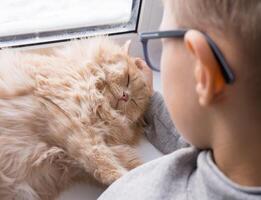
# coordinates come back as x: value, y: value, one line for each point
x: 136, y: 103
x: 140, y: 98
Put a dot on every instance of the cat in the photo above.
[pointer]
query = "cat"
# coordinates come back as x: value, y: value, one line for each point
x: 74, y: 112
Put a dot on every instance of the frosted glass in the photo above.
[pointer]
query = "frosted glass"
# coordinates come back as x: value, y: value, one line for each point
x: 32, y: 16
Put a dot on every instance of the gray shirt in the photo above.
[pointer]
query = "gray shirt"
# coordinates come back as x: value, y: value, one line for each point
x: 185, y: 174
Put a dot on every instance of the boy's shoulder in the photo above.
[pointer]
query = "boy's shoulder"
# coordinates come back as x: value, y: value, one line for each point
x: 157, y: 179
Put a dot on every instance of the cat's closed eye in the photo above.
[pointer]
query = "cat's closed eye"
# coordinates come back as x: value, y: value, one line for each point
x: 128, y: 80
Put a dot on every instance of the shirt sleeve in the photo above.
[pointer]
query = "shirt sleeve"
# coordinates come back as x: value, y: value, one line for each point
x: 160, y: 130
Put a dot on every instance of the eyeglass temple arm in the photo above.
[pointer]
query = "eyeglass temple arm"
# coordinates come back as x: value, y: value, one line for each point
x: 164, y: 34
x: 225, y: 69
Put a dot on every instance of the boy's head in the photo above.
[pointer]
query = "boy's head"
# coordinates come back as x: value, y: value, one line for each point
x: 195, y: 92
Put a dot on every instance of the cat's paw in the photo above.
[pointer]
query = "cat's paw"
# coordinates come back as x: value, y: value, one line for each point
x: 107, y: 177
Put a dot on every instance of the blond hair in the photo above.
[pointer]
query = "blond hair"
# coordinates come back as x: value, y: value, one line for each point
x: 235, y: 21
x: 238, y: 20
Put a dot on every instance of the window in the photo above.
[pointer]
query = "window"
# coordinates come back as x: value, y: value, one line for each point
x: 28, y: 22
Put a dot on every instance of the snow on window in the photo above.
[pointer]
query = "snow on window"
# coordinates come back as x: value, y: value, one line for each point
x: 33, y: 21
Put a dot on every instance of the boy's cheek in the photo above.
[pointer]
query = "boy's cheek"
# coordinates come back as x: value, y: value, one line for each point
x: 179, y: 91
x: 170, y: 82
x: 165, y: 76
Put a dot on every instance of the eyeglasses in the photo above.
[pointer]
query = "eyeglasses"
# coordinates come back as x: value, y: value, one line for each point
x: 152, y: 48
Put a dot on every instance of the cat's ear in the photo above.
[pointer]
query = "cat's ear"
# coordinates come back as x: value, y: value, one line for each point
x: 126, y: 46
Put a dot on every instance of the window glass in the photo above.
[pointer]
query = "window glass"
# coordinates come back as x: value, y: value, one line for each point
x: 37, y: 21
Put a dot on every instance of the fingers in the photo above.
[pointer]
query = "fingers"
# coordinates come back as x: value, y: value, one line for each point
x: 146, y: 71
x: 141, y: 63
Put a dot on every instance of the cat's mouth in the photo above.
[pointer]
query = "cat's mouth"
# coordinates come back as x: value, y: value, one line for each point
x: 124, y: 98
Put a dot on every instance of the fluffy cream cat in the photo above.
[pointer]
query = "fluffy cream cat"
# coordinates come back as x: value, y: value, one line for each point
x: 66, y: 114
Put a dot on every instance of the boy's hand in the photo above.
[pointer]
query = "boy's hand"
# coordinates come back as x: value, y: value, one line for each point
x: 147, y: 72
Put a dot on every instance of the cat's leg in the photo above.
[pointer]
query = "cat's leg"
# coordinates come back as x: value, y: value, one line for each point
x: 12, y: 187
x: 24, y: 191
x: 90, y: 152
x: 98, y: 160
x: 52, y: 171
x: 127, y: 155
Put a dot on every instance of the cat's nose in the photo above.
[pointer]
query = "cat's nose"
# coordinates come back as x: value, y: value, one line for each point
x: 125, y: 96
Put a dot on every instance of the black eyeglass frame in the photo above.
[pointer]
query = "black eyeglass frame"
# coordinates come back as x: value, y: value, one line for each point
x: 146, y: 36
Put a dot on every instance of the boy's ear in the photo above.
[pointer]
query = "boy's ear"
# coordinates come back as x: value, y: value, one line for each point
x: 209, y: 80
x: 126, y: 46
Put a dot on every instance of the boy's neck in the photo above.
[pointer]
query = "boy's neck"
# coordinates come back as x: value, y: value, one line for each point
x: 239, y: 157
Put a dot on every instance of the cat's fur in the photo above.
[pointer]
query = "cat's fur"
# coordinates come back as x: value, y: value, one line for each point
x: 62, y: 116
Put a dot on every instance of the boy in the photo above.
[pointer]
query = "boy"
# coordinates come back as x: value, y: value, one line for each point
x: 219, y: 117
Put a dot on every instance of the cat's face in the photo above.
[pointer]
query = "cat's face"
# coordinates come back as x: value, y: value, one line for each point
x: 125, y: 86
